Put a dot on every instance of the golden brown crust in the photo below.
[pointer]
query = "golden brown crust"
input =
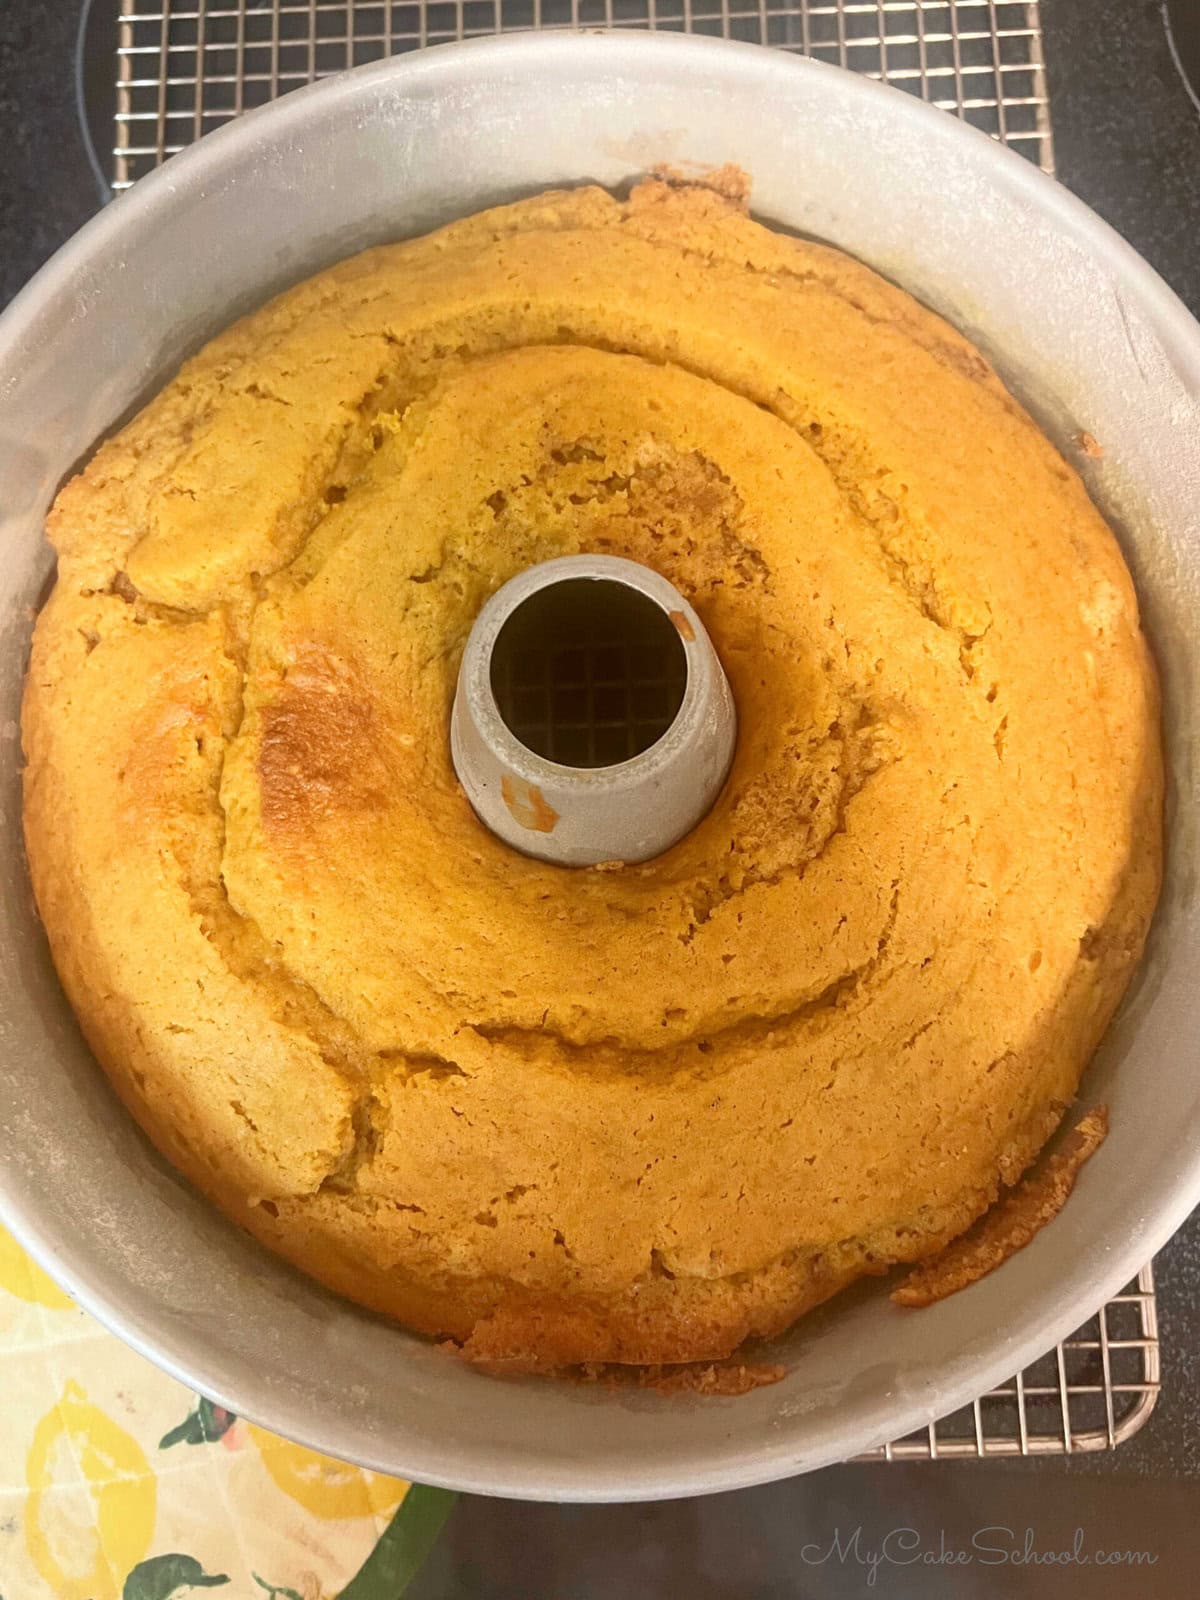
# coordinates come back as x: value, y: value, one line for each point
x: 320, y: 746
x: 1012, y: 1224
x: 634, y: 1116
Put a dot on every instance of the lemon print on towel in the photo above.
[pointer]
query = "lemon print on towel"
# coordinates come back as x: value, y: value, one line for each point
x: 323, y: 1486
x: 83, y: 1541
x: 24, y: 1278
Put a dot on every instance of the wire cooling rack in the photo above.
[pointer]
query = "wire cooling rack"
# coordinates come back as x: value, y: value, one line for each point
x: 184, y: 67
x: 1088, y: 1393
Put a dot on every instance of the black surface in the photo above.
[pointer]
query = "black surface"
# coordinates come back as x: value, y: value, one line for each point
x: 1128, y: 141
x: 46, y: 187
x: 777, y: 1543
x: 95, y: 87
x: 1183, y: 30
x: 1126, y: 132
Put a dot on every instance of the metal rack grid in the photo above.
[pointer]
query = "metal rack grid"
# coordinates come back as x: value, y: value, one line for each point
x: 586, y: 683
x: 1089, y: 1393
x: 184, y: 67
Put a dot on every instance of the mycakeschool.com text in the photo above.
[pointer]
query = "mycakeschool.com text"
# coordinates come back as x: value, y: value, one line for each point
x: 993, y: 1546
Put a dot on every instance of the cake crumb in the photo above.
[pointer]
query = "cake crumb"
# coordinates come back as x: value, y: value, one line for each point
x: 730, y: 181
x: 1010, y: 1225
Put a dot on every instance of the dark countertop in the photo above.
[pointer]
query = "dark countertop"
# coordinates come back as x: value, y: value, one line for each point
x: 46, y: 187
x: 1128, y: 141
x: 1126, y: 135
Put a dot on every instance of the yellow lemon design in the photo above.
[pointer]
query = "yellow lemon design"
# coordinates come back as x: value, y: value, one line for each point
x: 84, y: 1545
x: 24, y: 1278
x: 326, y: 1487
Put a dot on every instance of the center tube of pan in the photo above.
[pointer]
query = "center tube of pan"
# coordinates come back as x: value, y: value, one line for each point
x: 592, y: 721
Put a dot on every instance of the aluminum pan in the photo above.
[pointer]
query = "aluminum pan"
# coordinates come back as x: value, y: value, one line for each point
x: 1079, y: 325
